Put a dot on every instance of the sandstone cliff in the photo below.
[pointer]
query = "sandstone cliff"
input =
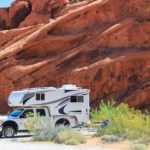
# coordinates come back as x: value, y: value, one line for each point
x: 103, y: 45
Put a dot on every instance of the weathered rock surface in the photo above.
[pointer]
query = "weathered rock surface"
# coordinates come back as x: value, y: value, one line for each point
x: 103, y: 45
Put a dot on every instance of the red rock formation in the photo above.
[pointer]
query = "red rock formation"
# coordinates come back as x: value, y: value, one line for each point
x: 4, y: 19
x: 103, y: 45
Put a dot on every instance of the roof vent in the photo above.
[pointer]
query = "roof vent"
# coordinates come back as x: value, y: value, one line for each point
x: 69, y: 87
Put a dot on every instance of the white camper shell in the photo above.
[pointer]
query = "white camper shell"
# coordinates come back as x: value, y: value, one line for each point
x: 66, y: 105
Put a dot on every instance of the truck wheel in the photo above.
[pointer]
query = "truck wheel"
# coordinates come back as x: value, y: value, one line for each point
x: 8, y: 132
x: 1, y: 134
x: 62, y: 121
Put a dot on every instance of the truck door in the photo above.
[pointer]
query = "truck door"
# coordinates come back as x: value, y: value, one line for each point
x: 21, y: 121
x: 43, y: 115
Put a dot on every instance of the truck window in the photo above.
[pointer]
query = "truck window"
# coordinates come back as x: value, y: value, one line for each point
x: 41, y: 112
x: 75, y: 99
x: 16, y: 113
x: 40, y: 96
x: 27, y: 113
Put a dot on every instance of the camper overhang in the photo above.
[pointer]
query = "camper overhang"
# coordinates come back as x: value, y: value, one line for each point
x: 18, y: 98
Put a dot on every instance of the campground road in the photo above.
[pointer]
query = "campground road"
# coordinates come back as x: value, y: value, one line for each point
x: 9, y: 145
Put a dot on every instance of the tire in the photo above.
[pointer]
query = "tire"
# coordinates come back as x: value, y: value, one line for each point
x: 1, y: 134
x: 62, y: 121
x: 8, y: 132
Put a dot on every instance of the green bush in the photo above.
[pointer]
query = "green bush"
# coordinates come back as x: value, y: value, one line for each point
x: 139, y: 147
x: 123, y: 121
x: 72, y: 142
x: 66, y: 135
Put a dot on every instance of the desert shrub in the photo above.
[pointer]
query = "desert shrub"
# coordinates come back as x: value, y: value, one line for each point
x: 110, y: 138
x: 42, y: 131
x: 65, y: 136
x: 123, y: 121
x: 59, y: 134
x: 72, y: 142
x: 139, y: 147
x: 49, y: 133
x: 33, y: 124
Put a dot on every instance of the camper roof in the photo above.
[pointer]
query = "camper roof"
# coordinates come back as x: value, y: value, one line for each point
x: 40, y: 89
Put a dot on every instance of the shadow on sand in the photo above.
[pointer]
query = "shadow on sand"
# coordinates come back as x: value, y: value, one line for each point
x: 18, y: 136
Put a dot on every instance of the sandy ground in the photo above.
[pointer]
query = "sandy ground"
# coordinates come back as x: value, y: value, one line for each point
x: 41, y: 146
x: 93, y: 143
x: 96, y: 142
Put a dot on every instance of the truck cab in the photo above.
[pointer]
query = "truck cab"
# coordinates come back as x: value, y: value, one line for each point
x: 15, y: 121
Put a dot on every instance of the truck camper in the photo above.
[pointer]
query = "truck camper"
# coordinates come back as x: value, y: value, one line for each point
x: 67, y: 105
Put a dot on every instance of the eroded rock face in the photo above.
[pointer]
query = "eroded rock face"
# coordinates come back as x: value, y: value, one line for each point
x: 4, y: 19
x: 24, y: 13
x: 18, y: 12
x: 100, y: 45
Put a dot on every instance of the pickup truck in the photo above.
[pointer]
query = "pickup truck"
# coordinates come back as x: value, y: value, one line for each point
x: 15, y: 121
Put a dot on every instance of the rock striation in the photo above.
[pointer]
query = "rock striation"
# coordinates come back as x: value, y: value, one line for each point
x: 103, y: 45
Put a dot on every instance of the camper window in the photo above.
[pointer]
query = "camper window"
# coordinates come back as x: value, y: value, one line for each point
x: 40, y: 96
x: 75, y: 99
x: 41, y: 112
x: 80, y: 98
